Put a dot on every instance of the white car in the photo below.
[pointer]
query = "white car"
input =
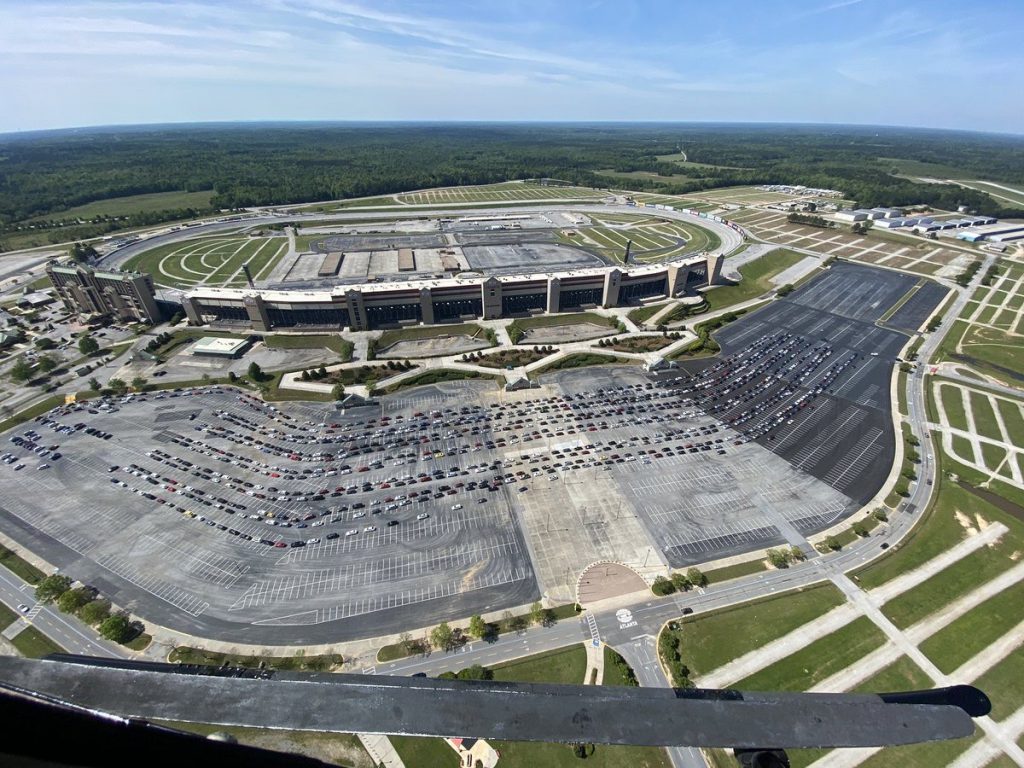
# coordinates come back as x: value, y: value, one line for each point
x: 456, y: 506
x: 370, y: 529
x: 422, y: 516
x: 23, y: 608
x: 353, y: 532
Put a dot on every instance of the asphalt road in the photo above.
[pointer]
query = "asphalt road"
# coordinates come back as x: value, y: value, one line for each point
x: 68, y: 632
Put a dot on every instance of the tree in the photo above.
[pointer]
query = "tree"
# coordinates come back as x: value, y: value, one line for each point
x: 118, y: 386
x: 87, y: 345
x: 880, y: 515
x: 304, y: 376
x: 478, y: 627
x: 833, y: 544
x: 74, y: 599
x: 94, y: 384
x: 338, y: 391
x: 860, y: 529
x: 232, y: 377
x: 22, y: 371
x: 52, y: 587
x: 95, y: 612
x: 82, y: 252
x: 537, y: 613
x: 139, y: 383
x: 779, y: 558
x: 681, y: 583
x: 44, y: 342
x: 255, y: 372
x: 662, y: 586
x: 47, y: 363
x: 117, y: 627
x: 443, y: 637
x: 796, y: 554
x: 697, y: 577
x: 785, y: 290
x: 321, y: 372
x: 475, y: 672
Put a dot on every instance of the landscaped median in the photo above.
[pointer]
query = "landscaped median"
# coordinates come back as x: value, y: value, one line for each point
x: 299, y: 661
x: 445, y: 637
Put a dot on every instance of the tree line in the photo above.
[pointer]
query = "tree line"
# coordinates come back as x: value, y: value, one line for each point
x: 46, y: 173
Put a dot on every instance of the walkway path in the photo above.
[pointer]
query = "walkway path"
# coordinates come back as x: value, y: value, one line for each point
x: 381, y: 750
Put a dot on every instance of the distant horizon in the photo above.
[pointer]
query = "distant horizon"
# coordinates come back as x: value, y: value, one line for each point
x: 185, y: 124
x: 937, y: 64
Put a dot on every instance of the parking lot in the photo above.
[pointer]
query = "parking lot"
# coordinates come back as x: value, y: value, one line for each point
x: 214, y: 512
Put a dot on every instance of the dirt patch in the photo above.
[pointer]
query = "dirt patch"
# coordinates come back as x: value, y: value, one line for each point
x: 561, y: 334
x: 965, y: 521
x: 438, y: 346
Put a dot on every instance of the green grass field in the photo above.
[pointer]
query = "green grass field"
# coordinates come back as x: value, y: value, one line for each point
x: 580, y: 360
x: 819, y: 660
x: 756, y: 279
x: 439, y: 375
x: 335, y: 343
x: 214, y: 261
x: 125, y: 206
x: 566, y: 666
x: 33, y: 644
x: 976, y: 630
x: 713, y: 639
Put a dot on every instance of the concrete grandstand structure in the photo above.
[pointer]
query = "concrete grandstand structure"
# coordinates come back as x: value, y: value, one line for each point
x: 368, y: 306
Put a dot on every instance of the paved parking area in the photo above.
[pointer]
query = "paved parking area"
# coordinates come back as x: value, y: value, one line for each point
x: 232, y: 518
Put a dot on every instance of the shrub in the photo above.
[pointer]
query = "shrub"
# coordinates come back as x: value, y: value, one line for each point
x: 662, y: 586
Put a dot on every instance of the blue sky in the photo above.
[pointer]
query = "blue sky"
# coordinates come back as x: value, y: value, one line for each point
x: 936, y: 63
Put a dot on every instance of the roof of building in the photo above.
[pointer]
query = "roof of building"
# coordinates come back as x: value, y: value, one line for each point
x: 219, y: 345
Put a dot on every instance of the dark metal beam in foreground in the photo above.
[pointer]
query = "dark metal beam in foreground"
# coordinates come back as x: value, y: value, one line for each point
x: 519, y: 712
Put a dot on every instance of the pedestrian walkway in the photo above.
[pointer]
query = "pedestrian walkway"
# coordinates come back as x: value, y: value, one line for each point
x: 381, y: 750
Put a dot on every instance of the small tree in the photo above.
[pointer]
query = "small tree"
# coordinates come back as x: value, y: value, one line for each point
x: 117, y: 628
x: 255, y: 372
x: 74, y: 599
x: 52, y: 587
x: 443, y: 637
x: 796, y: 554
x: 697, y: 577
x: 21, y: 371
x: 880, y: 515
x: 662, y: 586
x: 779, y: 558
x: 87, y: 345
x: 477, y: 626
x: 94, y: 384
x: 321, y: 372
x: 44, y: 342
x: 475, y: 672
x: 338, y: 391
x: 833, y: 544
x: 681, y: 583
x: 139, y: 383
x: 47, y: 363
x: 537, y: 613
x: 305, y: 376
x: 95, y: 612
x: 860, y: 529
x: 118, y: 386
x: 232, y: 377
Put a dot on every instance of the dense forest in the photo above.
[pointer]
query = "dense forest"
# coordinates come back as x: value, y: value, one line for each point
x: 43, y: 174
